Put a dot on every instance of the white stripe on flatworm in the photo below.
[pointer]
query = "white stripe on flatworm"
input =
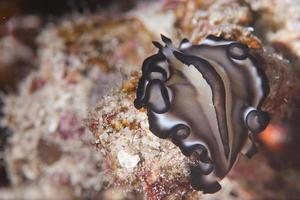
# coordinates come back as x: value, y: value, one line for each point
x: 247, y: 111
x: 185, y: 45
x: 205, y: 99
x: 257, y: 80
x: 228, y: 101
x: 215, y: 43
x: 167, y: 121
x: 164, y: 65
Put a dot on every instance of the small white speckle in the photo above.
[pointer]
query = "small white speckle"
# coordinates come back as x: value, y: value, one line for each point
x: 128, y: 161
x: 103, y: 136
x: 249, y: 28
x: 194, y: 21
x: 53, y: 124
x: 97, y: 141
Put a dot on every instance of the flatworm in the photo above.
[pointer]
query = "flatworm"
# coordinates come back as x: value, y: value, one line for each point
x: 207, y: 99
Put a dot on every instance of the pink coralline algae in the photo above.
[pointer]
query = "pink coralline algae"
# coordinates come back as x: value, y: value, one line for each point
x: 69, y: 126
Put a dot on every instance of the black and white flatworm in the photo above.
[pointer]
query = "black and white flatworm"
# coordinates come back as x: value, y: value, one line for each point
x: 207, y: 99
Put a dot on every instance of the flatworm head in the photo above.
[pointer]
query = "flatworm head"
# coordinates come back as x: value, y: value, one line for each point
x: 207, y: 99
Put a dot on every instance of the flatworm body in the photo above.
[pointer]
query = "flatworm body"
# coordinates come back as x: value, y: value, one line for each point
x: 207, y: 99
